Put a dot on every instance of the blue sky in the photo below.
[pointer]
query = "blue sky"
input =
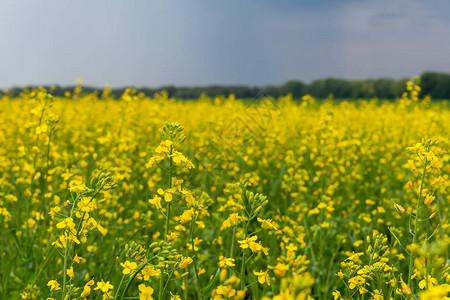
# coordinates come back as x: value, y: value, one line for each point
x: 156, y: 43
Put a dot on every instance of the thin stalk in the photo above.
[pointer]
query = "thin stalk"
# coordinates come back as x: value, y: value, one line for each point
x: 65, y: 270
x: 118, y: 288
x: 45, y: 175
x: 194, y: 258
x: 185, y: 290
x: 232, y: 241
x: 44, y: 264
x: 66, y: 250
x: 132, y: 279
x: 243, y: 257
x: 166, y: 229
x: 416, y: 220
x: 168, y: 280
x: 365, y: 283
x: 243, y: 270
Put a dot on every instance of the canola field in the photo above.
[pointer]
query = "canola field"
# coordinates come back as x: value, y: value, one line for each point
x: 216, y: 198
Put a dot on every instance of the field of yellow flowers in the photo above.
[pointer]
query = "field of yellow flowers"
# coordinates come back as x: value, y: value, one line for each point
x: 216, y: 198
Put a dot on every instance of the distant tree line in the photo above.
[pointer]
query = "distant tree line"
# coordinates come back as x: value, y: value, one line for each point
x: 436, y: 85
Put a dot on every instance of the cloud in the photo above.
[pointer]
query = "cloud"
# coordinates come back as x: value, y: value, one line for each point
x: 386, y: 38
x: 150, y: 43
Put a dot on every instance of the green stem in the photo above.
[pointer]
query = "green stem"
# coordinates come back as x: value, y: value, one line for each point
x: 243, y: 271
x: 66, y: 250
x: 64, y: 271
x: 194, y: 258
x: 243, y: 257
x: 416, y: 220
x: 132, y: 279
x: 44, y: 264
x: 166, y: 229
x: 118, y: 288
x: 168, y: 280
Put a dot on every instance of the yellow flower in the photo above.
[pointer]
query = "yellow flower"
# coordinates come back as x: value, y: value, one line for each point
x: 54, y: 211
x: 428, y: 199
x: 77, y: 186
x: 31, y: 222
x: 104, y: 286
x: 431, y: 282
x: 438, y: 181
x: 87, y: 289
x: 337, y: 295
x: 232, y: 220
x: 362, y: 290
x: 356, y: 281
x: 168, y: 197
x: 54, y: 285
x: 262, y: 276
x: 355, y: 256
x: 186, y: 216
x: 66, y: 223
x: 399, y: 208
x: 190, y: 200
x: 378, y: 295
x: 225, y: 290
x: 164, y: 147
x: 406, y: 289
x: 279, y: 269
x: 409, y: 185
x: 179, y: 159
x: 128, y: 267
x: 225, y: 262
x: 267, y: 223
x: 174, y: 297
x: 150, y: 271
x: 145, y: 292
x: 172, y: 236
x: 185, y: 261
x: 249, y: 242
x: 78, y: 259
x: 438, y: 292
x: 70, y: 272
x: 156, y: 201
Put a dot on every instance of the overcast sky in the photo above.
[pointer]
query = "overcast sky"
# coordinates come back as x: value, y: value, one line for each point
x: 255, y: 42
